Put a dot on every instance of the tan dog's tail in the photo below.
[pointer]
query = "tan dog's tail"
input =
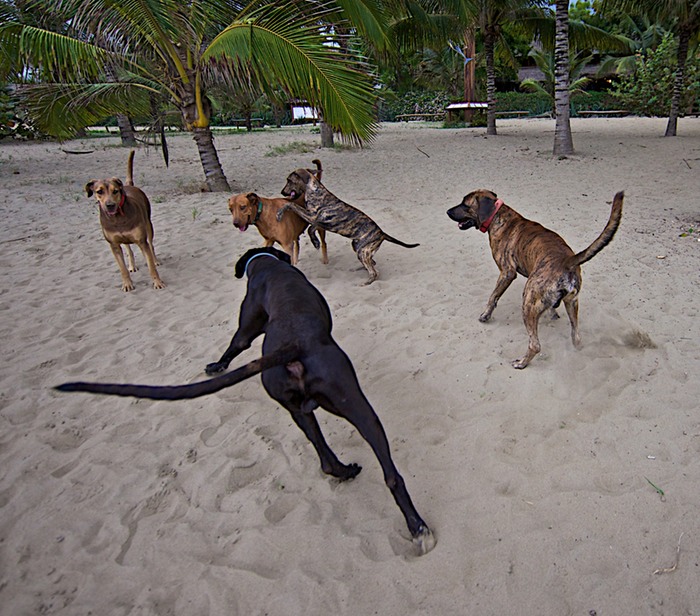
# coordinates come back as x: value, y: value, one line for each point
x: 130, y: 169
x: 284, y: 355
x: 604, y: 238
x: 319, y: 168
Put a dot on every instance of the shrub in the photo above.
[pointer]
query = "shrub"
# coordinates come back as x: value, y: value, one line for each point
x: 649, y: 89
x: 414, y: 101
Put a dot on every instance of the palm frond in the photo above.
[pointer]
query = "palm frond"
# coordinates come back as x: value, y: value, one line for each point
x: 52, y: 56
x: 63, y: 109
x: 305, y: 61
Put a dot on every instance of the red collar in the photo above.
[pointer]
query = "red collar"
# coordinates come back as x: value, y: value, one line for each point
x: 121, y: 203
x: 487, y: 223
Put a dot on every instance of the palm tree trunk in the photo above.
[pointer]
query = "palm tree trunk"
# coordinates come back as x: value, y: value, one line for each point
x: 679, y: 82
x: 326, y: 135
x: 126, y: 130
x: 213, y: 172
x: 489, y: 41
x: 563, y: 142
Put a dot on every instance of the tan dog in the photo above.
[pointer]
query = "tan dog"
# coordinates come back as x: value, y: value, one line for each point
x: 251, y: 209
x: 125, y: 216
x: 522, y: 246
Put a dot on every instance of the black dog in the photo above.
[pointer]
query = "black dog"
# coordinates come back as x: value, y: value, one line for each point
x: 302, y: 368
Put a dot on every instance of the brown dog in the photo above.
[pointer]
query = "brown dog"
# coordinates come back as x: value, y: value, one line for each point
x: 125, y: 216
x: 252, y: 209
x: 324, y: 210
x: 522, y: 246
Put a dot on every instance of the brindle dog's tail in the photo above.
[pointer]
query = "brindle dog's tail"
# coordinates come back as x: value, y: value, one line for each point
x: 284, y: 355
x: 604, y: 238
x: 130, y: 169
x: 388, y: 238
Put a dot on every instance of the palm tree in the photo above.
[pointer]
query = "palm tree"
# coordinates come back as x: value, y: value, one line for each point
x: 563, y: 140
x: 685, y: 14
x: 545, y: 62
x: 491, y: 17
x: 174, y: 50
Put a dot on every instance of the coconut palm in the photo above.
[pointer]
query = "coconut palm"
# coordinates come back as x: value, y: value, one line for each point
x: 685, y: 15
x: 174, y: 50
x: 563, y: 140
x: 545, y: 62
x: 491, y: 17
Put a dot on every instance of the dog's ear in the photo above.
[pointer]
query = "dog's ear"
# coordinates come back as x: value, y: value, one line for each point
x: 242, y: 262
x: 88, y: 188
x: 253, y: 199
x: 486, y: 206
x: 304, y: 175
x: 283, y: 256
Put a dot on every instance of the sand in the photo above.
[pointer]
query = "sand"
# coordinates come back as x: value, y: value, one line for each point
x: 537, y: 483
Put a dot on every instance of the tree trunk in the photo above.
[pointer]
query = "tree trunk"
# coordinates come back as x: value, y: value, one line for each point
x: 213, y: 172
x: 126, y: 130
x: 489, y: 43
x: 563, y: 142
x: 326, y: 135
x: 679, y: 81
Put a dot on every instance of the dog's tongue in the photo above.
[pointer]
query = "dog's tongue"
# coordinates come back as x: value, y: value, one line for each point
x: 243, y: 229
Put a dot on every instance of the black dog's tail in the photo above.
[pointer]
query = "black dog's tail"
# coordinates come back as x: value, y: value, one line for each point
x: 604, y: 238
x: 388, y: 238
x: 193, y: 390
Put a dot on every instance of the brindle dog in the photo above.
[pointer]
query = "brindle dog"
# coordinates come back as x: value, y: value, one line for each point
x: 325, y: 211
x: 125, y: 217
x: 302, y: 368
x: 522, y: 246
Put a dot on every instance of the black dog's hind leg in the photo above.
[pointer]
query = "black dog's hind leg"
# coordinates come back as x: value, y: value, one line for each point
x: 340, y: 394
x: 329, y: 461
x: 285, y: 384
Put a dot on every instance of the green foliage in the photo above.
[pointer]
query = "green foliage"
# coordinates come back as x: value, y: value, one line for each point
x: 414, y: 101
x: 649, y: 88
x: 534, y: 102
x: 13, y: 121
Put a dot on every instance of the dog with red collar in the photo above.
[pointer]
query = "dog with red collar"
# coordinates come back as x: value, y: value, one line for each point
x: 125, y: 217
x: 525, y: 247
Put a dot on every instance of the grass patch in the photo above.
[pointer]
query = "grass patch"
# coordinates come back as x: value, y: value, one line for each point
x: 294, y: 147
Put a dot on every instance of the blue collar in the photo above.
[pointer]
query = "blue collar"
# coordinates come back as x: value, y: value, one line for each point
x: 260, y: 254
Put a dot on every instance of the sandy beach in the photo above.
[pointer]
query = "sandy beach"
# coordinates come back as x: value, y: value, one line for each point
x: 569, y: 488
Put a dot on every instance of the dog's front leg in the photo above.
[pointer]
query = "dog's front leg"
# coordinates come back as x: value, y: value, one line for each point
x: 251, y: 324
x: 505, y: 278
x: 301, y: 212
x: 127, y: 285
x: 311, y: 232
x: 234, y: 349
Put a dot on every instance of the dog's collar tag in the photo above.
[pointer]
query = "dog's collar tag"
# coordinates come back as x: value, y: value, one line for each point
x: 260, y: 254
x: 257, y: 214
x: 487, y: 223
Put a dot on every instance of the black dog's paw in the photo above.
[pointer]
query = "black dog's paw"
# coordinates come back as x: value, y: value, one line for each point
x: 280, y: 214
x: 215, y: 367
x: 350, y: 471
